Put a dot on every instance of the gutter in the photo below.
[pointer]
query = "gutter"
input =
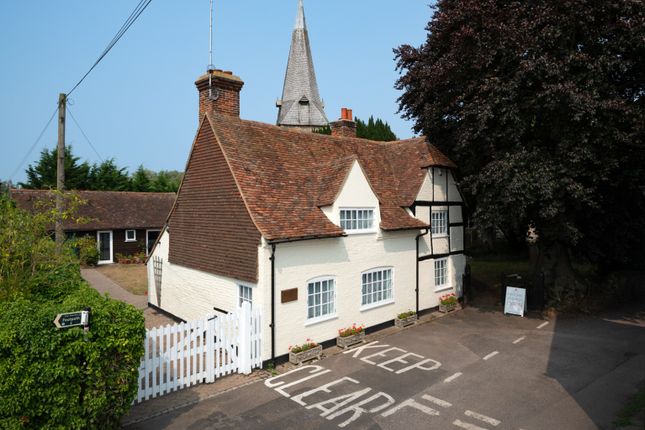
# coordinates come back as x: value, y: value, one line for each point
x: 416, y: 239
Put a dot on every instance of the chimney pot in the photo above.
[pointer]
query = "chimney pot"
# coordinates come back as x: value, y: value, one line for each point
x: 343, y: 113
x: 350, y: 116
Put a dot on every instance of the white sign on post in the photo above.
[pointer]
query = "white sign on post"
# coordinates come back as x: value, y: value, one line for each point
x: 515, y: 302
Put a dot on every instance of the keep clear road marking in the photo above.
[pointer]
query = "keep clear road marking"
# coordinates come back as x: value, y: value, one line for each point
x: 453, y: 377
x: 543, y: 324
x: 436, y: 401
x: 466, y: 426
x: 519, y: 339
x: 491, y: 355
x: 484, y: 418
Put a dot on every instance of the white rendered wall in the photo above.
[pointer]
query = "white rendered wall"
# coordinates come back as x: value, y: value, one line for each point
x: 344, y: 259
x: 188, y: 293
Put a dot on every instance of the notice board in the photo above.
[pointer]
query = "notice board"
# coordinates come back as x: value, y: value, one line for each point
x: 515, y: 302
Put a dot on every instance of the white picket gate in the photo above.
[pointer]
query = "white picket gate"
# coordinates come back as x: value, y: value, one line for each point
x: 200, y: 351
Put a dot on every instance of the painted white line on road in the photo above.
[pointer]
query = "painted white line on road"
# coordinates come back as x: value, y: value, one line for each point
x: 543, y: 324
x: 491, y: 355
x: 453, y: 377
x: 436, y: 401
x: 484, y: 418
x: 519, y: 339
x: 466, y: 426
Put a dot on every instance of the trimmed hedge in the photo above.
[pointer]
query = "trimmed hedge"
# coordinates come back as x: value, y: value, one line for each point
x: 66, y: 378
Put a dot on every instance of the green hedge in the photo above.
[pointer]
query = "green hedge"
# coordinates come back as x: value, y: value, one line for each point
x: 66, y: 378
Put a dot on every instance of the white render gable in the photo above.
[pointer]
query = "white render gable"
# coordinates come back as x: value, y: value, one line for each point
x: 356, y: 192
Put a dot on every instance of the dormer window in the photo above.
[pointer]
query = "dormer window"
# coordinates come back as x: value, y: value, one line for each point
x: 357, y: 220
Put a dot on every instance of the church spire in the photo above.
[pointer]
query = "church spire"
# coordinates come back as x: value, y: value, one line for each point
x: 300, y: 105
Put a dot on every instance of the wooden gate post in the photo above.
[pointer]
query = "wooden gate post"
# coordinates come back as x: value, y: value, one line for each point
x: 244, y: 339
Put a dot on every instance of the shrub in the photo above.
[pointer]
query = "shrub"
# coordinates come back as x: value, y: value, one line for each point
x: 448, y: 299
x: 350, y: 331
x: 405, y: 315
x: 67, y: 378
x: 88, y: 252
x: 304, y: 347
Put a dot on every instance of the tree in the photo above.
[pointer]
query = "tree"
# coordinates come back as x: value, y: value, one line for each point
x: 166, y: 181
x: 541, y: 104
x: 42, y: 175
x: 140, y: 180
x: 107, y: 176
x: 374, y: 130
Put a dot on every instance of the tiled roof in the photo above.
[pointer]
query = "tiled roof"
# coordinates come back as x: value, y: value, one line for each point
x: 106, y: 209
x: 285, y: 176
x: 301, y: 104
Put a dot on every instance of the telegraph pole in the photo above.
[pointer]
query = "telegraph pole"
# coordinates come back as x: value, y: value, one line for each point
x: 60, y: 170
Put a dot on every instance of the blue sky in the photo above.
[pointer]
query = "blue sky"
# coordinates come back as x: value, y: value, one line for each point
x: 139, y: 105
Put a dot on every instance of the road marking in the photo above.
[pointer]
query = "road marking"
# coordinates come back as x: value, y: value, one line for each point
x: 436, y: 401
x: 543, y: 324
x: 484, y: 418
x: 491, y: 355
x: 453, y: 377
x: 466, y: 426
x: 519, y: 339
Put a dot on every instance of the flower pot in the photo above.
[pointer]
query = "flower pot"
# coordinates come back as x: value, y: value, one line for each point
x: 447, y: 308
x: 347, y: 341
x: 402, y: 322
x: 301, y: 357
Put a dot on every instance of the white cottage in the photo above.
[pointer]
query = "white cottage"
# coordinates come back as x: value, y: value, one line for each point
x: 319, y: 232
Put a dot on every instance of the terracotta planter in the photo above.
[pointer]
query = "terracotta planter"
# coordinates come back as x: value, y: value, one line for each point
x: 347, y: 341
x: 402, y: 322
x: 447, y: 308
x: 301, y: 357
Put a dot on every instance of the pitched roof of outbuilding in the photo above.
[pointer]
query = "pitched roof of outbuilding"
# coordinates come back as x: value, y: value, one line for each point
x: 285, y: 176
x: 105, y: 209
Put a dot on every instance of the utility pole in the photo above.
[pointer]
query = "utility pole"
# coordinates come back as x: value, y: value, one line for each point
x: 60, y: 170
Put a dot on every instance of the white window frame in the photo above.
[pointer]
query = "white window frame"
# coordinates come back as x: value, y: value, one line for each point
x: 446, y: 285
x: 355, y: 230
x: 326, y: 316
x: 244, y: 294
x: 134, y: 235
x: 436, y: 231
x: 384, y: 300
x: 98, y: 246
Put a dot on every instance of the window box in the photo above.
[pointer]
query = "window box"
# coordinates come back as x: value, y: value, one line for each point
x: 347, y: 341
x: 310, y: 354
x: 448, y: 303
x: 405, y: 319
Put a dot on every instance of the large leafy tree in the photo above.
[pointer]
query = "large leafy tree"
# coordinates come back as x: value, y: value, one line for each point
x: 42, y: 175
x: 542, y: 105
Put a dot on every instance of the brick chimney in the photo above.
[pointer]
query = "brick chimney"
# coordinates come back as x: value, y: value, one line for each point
x: 224, y: 97
x: 345, y: 126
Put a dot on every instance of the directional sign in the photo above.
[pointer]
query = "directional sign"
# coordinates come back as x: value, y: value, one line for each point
x: 72, y: 319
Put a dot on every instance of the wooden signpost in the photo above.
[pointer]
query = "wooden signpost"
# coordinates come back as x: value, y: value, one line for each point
x: 515, y: 302
x: 72, y: 319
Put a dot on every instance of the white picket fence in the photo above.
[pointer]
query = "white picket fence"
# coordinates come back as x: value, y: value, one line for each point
x: 200, y: 351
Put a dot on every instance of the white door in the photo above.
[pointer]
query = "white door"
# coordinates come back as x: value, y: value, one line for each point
x: 104, y: 243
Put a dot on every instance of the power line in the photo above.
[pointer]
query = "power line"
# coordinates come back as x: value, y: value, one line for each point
x: 40, y: 136
x: 143, y: 4
x: 83, y: 133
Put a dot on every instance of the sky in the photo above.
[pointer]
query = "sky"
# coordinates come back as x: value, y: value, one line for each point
x: 139, y: 106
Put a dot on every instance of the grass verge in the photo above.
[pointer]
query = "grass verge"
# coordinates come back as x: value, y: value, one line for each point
x: 634, y: 407
x: 131, y: 277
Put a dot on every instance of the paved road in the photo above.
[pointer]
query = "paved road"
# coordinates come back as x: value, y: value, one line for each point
x: 472, y: 370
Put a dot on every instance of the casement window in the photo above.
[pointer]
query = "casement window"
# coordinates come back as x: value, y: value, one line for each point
x: 321, y: 298
x: 246, y: 295
x: 439, y: 223
x: 376, y: 287
x: 356, y: 220
x: 441, y: 274
x: 130, y: 235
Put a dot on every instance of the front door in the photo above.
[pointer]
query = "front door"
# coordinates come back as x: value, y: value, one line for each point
x: 104, y: 243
